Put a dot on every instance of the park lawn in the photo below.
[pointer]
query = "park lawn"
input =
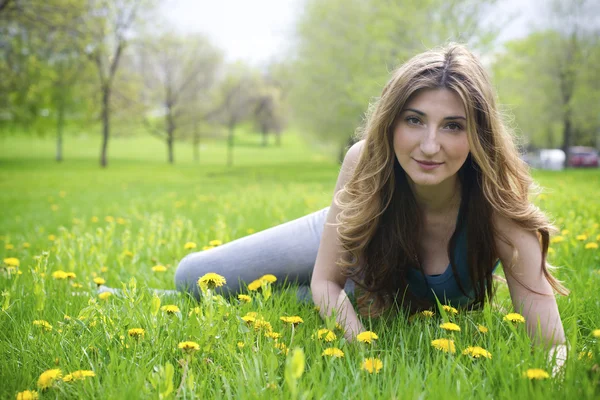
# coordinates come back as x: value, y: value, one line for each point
x: 119, y: 223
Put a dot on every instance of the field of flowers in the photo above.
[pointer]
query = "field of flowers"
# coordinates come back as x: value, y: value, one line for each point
x: 67, y: 228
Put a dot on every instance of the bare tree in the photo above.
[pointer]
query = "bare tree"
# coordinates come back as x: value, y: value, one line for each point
x: 178, y: 75
x: 269, y: 113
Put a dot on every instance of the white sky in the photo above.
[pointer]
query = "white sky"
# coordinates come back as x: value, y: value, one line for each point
x: 258, y: 30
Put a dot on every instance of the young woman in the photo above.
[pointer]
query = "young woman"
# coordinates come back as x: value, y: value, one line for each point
x: 426, y: 205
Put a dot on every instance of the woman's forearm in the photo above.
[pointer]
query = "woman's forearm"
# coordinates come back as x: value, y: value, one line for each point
x: 330, y: 297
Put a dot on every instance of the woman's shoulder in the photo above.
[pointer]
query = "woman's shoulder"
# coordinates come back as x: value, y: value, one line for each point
x: 354, y: 151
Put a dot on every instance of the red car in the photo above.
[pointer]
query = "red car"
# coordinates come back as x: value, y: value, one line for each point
x: 580, y: 156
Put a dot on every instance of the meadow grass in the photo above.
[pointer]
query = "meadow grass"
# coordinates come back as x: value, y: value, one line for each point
x: 119, y: 223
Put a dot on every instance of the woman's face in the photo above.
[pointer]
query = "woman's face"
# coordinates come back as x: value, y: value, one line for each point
x: 430, y: 136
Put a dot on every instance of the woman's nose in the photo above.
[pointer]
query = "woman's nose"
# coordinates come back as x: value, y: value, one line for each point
x: 429, y: 144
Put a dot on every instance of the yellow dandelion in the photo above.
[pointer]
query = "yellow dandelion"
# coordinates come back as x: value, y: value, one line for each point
x: 482, y: 329
x: 292, y: 320
x: 211, y: 280
x: 79, y: 375
x: 244, y: 298
x: 514, y: 317
x: 551, y: 250
x: 109, y: 218
x: 449, y: 326
x: 333, y: 352
x: 104, y: 295
x: 9, y: 246
x: 450, y: 309
x: 372, y: 365
x: 136, y: 333
x: 591, y: 245
x: 477, y: 352
x: 268, y: 278
x: 44, y: 325
x: 26, y: 245
x: 127, y: 253
x: 326, y: 335
x: 281, y: 346
x: 159, y: 268
x: 565, y: 232
x: 59, y: 275
x: 215, y: 243
x: 189, y: 246
x: 52, y: 238
x: 11, y: 262
x: 54, y: 207
x: 104, y: 269
x: 76, y: 285
x: 586, y: 355
x: 557, y: 239
x: 255, y: 285
x: 99, y: 281
x: 581, y: 238
x: 170, y: 309
x: 189, y: 347
x: 47, y: 378
x: 262, y: 324
x: 249, y: 319
x: 121, y: 221
x: 367, y: 337
x: 445, y: 345
x: 536, y: 373
x: 596, y: 333
x: 70, y: 275
x: 27, y: 395
x: 94, y: 219
x: 427, y: 313
x: 273, y: 335
x: 240, y: 345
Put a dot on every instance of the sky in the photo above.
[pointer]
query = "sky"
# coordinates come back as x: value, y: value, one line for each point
x: 257, y: 31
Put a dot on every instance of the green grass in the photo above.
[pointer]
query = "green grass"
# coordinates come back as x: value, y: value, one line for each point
x: 156, y: 208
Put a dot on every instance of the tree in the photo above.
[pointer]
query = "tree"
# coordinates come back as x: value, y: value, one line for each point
x: 346, y: 48
x: 269, y: 114
x: 178, y: 74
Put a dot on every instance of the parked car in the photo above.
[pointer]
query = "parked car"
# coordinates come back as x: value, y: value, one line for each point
x: 580, y: 156
x: 552, y: 159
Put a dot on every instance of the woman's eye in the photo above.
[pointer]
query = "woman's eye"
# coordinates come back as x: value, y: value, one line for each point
x: 412, y: 120
x: 454, y: 126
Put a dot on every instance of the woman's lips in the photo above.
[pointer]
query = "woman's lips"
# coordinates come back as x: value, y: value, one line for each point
x: 428, y: 165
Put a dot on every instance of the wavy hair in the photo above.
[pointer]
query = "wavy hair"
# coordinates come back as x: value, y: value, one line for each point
x: 379, y: 220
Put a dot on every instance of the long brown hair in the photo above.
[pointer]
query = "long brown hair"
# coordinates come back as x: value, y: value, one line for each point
x: 379, y: 220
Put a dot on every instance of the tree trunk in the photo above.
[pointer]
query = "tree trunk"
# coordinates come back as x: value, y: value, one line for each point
x: 278, y: 138
x: 105, y: 124
x: 567, y: 136
x: 265, y: 138
x: 170, y: 135
x: 230, y: 145
x: 59, y: 130
x: 196, y: 142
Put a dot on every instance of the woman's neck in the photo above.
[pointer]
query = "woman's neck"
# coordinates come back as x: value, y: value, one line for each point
x: 438, y: 199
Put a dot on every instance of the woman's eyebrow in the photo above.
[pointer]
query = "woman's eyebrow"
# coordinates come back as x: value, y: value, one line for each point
x: 423, y: 114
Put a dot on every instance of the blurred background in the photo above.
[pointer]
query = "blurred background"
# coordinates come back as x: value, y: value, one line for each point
x: 169, y: 78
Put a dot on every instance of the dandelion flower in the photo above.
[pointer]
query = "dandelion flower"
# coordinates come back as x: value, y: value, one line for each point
x: 11, y: 262
x: 262, y: 324
x: 9, y: 246
x: 367, y: 337
x: 249, y: 319
x: 189, y: 246
x: 536, y: 373
x: 240, y: 345
x: 557, y: 239
x: 45, y: 325
x: 596, y: 333
x: 159, y: 268
x: 79, y: 375
x: 215, y: 243
x: 477, y: 352
x: 326, y: 335
x: 99, y: 281
x: 189, y: 347
x: 293, y: 320
x: 551, y: 250
x: 281, y: 346
x: 59, y: 275
x: 272, y: 335
x: 586, y: 355
x: 581, y: 238
x: 170, y: 309
x: 449, y: 326
x: 245, y: 298
x: 450, y: 309
x: 47, y: 378
x: 268, y: 278
x: 333, y: 352
x: 514, y: 317
x: 427, y: 313
x: 70, y: 275
x: 109, y: 218
x: 372, y: 365
x: 104, y: 295
x: 211, y: 281
x: 27, y: 395
x: 445, y: 345
x: 94, y: 219
x: 482, y: 329
x: 52, y: 238
x: 255, y: 285
x: 136, y: 333
x: 591, y: 246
